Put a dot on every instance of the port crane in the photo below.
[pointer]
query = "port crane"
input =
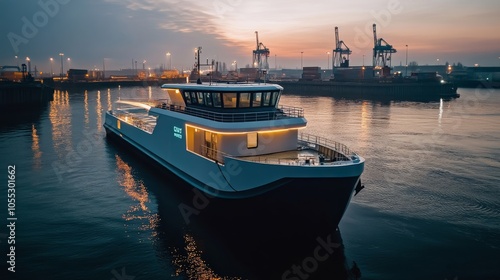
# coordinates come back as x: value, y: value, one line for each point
x: 341, y: 52
x: 260, y: 54
x: 382, y: 51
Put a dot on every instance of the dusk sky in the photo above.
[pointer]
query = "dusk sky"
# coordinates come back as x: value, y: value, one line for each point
x: 119, y: 31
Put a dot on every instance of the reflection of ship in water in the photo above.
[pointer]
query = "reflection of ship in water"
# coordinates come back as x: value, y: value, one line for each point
x: 203, y: 245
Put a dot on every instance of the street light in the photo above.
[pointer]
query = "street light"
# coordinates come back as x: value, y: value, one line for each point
x: 17, y: 61
x: 301, y: 60
x: 62, y: 67
x: 29, y: 64
x: 104, y: 68
x: 406, y: 67
x: 51, y: 66
x: 363, y: 67
x: 69, y: 63
x: 328, y: 61
x: 169, y: 58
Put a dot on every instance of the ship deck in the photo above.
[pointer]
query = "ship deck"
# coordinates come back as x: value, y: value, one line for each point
x: 303, y: 156
x: 300, y: 157
x: 311, y: 151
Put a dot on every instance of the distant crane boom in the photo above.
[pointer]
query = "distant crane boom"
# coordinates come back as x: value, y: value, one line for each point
x: 336, y: 36
x: 341, y: 52
x: 257, y: 39
x: 382, y: 51
x: 260, y: 54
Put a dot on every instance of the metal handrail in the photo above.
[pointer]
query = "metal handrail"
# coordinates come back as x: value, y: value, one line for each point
x: 280, y: 113
x: 327, y: 143
x: 341, y: 153
x: 214, y: 154
x: 137, y: 122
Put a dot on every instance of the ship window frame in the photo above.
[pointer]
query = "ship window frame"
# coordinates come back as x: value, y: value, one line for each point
x: 266, y: 98
x: 252, y: 140
x: 227, y: 99
x: 249, y: 98
x: 254, y: 99
x: 217, y: 100
x: 208, y: 99
x: 275, y: 98
x: 200, y: 98
x: 194, y: 100
x: 187, y: 97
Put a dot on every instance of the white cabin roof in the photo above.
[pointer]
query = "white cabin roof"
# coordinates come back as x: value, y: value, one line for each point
x: 225, y: 87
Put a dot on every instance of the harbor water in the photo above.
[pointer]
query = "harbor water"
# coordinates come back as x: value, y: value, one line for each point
x: 87, y: 208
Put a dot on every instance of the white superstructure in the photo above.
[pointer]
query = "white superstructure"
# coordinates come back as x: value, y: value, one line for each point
x: 235, y: 141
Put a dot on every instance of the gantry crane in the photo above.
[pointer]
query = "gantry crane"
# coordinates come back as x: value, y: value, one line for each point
x: 341, y: 52
x: 260, y: 54
x: 382, y: 51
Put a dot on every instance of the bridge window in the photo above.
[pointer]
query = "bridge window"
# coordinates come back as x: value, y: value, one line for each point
x: 244, y: 100
x: 208, y: 99
x: 229, y: 99
x: 275, y: 97
x: 266, y: 96
x: 199, y: 96
x: 232, y: 99
x: 187, y: 97
x: 194, y: 100
x: 257, y: 99
x: 217, y: 100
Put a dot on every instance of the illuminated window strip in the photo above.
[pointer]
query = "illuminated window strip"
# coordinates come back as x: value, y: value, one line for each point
x: 245, y: 132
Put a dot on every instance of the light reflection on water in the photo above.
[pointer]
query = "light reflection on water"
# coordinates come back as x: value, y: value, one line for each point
x: 35, y: 147
x: 189, y: 262
x: 60, y: 116
x: 99, y: 111
x: 109, y: 102
x: 137, y: 192
x: 86, y: 108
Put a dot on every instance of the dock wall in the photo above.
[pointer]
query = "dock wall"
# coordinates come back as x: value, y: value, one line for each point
x: 402, y: 91
x: 20, y: 94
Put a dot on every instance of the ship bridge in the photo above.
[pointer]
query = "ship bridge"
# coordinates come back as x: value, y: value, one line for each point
x: 228, y: 102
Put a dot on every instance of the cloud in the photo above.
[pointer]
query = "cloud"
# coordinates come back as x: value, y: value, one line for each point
x: 179, y: 16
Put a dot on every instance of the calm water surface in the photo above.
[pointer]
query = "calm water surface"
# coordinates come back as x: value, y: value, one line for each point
x: 90, y: 209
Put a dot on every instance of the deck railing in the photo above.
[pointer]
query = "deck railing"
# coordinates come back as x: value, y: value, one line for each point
x: 273, y: 114
x: 331, y: 153
x: 320, y: 143
x: 213, y: 154
x: 137, y: 122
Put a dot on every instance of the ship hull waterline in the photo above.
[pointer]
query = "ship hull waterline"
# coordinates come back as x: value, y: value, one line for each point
x: 284, y: 202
